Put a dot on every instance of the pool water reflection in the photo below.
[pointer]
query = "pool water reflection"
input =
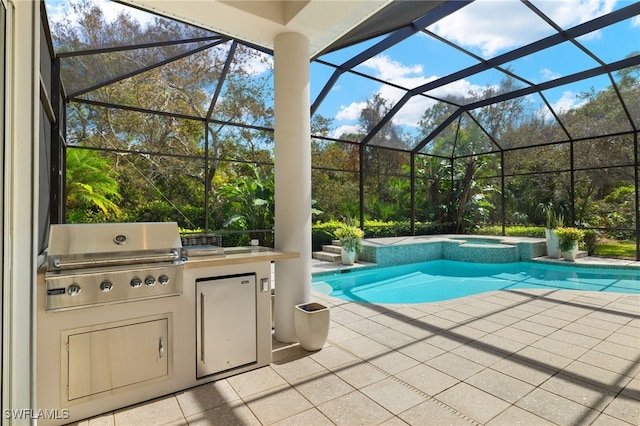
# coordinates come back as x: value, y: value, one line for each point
x: 439, y: 280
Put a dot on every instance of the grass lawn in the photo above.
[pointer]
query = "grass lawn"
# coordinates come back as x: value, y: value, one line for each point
x: 620, y: 249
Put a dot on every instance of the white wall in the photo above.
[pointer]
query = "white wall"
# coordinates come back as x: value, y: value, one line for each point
x: 19, y: 207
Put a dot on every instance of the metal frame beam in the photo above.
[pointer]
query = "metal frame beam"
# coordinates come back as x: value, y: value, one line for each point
x: 394, y: 38
x: 577, y: 31
x: 582, y: 75
x: 135, y: 46
x: 147, y: 68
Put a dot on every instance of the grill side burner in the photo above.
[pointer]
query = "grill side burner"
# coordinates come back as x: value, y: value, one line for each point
x: 93, y: 264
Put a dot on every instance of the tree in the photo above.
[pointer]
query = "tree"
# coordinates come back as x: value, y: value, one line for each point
x: 162, y: 156
x: 91, y: 187
x: 468, y: 141
x: 250, y: 203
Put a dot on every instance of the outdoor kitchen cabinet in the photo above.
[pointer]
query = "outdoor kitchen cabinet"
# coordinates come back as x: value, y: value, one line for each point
x: 226, y: 331
x: 106, y: 359
x: 150, y: 346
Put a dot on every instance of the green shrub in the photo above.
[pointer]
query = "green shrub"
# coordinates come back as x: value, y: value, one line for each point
x: 590, y: 240
x: 525, y: 231
x: 322, y: 233
x: 512, y: 231
x: 380, y: 229
x: 520, y: 218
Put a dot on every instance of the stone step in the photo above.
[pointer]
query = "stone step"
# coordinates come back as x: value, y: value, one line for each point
x: 326, y: 256
x: 332, y: 248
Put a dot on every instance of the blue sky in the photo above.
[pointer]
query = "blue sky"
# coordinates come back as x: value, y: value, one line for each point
x: 486, y: 28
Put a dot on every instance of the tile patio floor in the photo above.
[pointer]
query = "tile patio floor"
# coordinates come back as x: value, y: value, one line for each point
x: 526, y: 357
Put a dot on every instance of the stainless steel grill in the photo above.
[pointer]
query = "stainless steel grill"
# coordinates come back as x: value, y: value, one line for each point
x: 91, y: 264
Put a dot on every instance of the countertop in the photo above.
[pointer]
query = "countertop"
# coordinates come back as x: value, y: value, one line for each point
x: 239, y: 255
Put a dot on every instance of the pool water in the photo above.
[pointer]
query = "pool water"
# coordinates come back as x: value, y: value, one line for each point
x: 439, y: 280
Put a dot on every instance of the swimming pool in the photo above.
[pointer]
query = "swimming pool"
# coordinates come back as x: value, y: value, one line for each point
x: 439, y: 280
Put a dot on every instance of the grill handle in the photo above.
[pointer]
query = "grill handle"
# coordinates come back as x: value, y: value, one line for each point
x: 174, y: 255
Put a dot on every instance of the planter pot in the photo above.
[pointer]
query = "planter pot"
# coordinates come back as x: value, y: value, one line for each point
x: 348, y: 256
x: 311, y: 324
x: 553, y: 243
x: 570, y: 255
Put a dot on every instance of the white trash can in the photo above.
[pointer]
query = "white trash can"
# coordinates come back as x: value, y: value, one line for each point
x: 311, y: 323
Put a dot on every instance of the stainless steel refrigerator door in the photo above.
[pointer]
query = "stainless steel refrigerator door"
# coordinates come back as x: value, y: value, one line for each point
x: 226, y: 323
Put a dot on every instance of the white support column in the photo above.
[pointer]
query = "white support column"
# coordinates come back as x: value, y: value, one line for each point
x: 292, y: 178
x: 19, y: 213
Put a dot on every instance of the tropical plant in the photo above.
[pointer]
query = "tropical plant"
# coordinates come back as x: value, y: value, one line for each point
x: 568, y: 236
x: 350, y: 237
x: 553, y: 218
x: 90, y: 184
x: 249, y: 202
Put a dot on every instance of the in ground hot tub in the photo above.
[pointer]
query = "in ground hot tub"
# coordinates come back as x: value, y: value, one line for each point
x: 480, y: 250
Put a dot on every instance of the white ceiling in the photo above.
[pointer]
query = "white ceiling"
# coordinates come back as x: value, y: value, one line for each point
x: 260, y: 21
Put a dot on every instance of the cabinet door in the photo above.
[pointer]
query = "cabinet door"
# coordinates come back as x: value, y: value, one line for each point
x: 226, y: 329
x: 110, y: 358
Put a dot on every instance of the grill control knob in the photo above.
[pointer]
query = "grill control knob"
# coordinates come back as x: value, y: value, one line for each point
x: 163, y: 279
x: 136, y: 282
x: 74, y: 289
x: 150, y: 280
x: 106, y: 285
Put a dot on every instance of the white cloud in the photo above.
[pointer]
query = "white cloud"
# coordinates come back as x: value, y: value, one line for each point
x: 412, y: 111
x: 351, y: 111
x: 408, y: 76
x: 459, y: 89
x: 548, y: 74
x: 391, y: 70
x: 475, y: 26
x: 567, y: 101
x: 489, y: 26
x: 493, y: 26
x: 568, y: 13
x: 395, y: 72
x: 341, y: 130
x: 254, y: 63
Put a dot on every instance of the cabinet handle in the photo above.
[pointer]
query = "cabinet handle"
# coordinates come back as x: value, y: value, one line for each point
x: 161, y: 347
x: 202, y: 335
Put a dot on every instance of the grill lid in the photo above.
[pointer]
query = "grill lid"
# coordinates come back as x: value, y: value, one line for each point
x: 73, y: 246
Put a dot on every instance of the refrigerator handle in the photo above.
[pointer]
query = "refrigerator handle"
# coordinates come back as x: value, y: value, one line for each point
x: 202, y: 334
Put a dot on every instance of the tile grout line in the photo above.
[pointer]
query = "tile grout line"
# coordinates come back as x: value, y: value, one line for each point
x: 429, y: 398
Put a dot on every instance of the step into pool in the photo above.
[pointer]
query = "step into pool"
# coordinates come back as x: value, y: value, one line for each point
x: 439, y: 280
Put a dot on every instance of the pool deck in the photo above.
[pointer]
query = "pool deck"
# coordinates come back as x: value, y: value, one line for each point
x: 525, y: 357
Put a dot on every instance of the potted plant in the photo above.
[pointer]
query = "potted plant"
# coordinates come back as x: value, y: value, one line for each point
x: 554, y: 221
x: 350, y: 237
x: 569, y: 239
